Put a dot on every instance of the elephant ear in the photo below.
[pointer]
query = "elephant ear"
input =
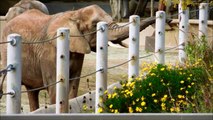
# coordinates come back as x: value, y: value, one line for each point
x: 78, y: 43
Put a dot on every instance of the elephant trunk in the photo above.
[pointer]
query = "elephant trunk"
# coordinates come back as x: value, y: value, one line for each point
x: 117, y: 34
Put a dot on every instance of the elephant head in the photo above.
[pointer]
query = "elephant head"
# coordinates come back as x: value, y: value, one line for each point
x: 33, y: 25
x: 23, y: 6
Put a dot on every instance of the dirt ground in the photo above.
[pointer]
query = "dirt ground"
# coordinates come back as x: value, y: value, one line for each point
x: 115, y: 57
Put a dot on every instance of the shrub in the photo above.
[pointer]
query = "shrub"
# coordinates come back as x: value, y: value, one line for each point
x: 163, y: 88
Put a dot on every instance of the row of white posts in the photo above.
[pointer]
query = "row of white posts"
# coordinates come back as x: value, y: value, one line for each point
x: 14, y: 57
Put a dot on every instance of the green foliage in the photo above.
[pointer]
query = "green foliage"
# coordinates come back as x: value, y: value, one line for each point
x: 199, y: 49
x: 162, y: 89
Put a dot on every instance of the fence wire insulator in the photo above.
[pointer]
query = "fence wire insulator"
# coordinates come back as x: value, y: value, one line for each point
x: 8, y: 93
x: 10, y: 67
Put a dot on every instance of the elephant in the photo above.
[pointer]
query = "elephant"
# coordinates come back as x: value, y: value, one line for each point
x: 38, y: 60
x: 23, y: 6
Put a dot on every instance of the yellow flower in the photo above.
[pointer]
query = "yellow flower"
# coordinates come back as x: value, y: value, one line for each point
x: 153, y: 94
x: 126, y: 91
x: 130, y: 93
x: 193, y: 97
x: 181, y: 81
x: 163, y: 104
x: 116, y: 111
x: 114, y: 94
x: 100, y: 99
x: 150, y: 84
x: 192, y: 83
x: 152, y: 74
x: 84, y: 107
x: 181, y: 88
x: 169, y: 66
x: 155, y: 100
x: 186, y: 92
x: 137, y: 99
x: 177, y: 109
x: 162, y: 69
x: 133, y: 102
x: 172, y: 100
x: 172, y: 109
x: 132, y: 84
x: 189, y: 86
x: 193, y: 104
x: 190, y: 75
x: 143, y: 103
x: 163, y: 99
x: 111, y: 106
x: 100, y: 110
x: 161, y: 80
x: 163, y: 108
x: 188, y: 78
x: 114, y: 87
x: 138, y: 109
x: 179, y: 96
x: 142, y: 98
x: 130, y: 110
x: 109, y: 96
x: 105, y: 92
x: 144, y: 69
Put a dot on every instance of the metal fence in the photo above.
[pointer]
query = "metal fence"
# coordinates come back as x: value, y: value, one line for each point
x: 14, y: 72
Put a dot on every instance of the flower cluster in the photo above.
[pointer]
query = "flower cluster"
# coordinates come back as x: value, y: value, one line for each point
x: 160, y: 88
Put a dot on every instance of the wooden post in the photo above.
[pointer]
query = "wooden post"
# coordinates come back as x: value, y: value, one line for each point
x: 203, y: 19
x: 183, y: 32
x: 133, y: 65
x: 14, y: 77
x: 62, y: 72
x: 160, y: 37
x: 101, y: 64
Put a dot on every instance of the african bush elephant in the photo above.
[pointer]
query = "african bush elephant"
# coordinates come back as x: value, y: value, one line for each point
x: 39, y: 60
x: 23, y: 6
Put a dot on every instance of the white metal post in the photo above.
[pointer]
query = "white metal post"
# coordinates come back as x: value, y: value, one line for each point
x: 62, y: 72
x: 203, y: 19
x: 160, y: 37
x: 133, y: 65
x: 183, y: 32
x: 101, y: 63
x: 14, y: 77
